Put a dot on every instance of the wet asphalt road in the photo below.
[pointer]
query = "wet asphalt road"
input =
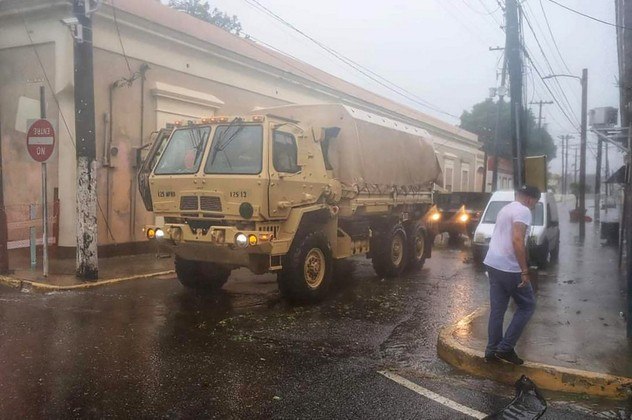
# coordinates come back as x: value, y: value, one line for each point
x: 152, y: 349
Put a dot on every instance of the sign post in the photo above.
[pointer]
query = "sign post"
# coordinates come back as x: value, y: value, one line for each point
x: 40, y: 143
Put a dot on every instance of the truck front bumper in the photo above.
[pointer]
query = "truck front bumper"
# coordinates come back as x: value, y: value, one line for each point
x: 217, y: 244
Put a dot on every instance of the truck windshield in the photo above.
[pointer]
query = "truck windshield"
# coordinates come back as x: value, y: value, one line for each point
x: 494, y: 207
x: 237, y: 149
x: 184, y: 151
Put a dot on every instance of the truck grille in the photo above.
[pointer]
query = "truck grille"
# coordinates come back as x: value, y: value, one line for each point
x: 188, y: 202
x: 210, y: 204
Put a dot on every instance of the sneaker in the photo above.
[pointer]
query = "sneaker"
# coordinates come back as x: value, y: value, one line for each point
x: 509, y: 357
x: 490, y: 358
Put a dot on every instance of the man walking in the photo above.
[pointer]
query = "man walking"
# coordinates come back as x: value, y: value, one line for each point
x: 508, y: 271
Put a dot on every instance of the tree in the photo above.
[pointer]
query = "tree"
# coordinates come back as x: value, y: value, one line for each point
x: 202, y: 10
x: 482, y: 121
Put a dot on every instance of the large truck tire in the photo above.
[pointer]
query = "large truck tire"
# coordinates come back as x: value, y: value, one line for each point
x: 307, y: 270
x: 416, y: 233
x: 201, y: 275
x: 389, y: 251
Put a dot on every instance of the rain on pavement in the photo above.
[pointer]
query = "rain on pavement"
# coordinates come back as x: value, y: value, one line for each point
x: 153, y: 349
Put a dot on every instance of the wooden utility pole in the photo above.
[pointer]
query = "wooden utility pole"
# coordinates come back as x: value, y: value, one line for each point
x: 582, y: 158
x: 565, y: 139
x: 514, y: 66
x: 598, y: 182
x: 540, y: 103
x: 87, y: 260
x: 4, y: 250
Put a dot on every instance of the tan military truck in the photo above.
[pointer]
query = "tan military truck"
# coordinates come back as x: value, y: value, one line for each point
x: 289, y: 190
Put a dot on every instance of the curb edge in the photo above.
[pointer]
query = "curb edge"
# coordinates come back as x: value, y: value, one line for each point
x: 34, y: 286
x: 549, y: 377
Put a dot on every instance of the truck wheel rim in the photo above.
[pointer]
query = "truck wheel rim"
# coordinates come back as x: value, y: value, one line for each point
x: 397, y: 250
x: 314, y: 268
x: 419, y: 246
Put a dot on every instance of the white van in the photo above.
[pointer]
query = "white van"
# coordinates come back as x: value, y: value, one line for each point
x: 544, y: 235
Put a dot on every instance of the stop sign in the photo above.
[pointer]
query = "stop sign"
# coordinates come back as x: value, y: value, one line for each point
x: 40, y: 140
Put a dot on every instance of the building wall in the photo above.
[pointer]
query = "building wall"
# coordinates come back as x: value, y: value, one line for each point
x: 462, y: 165
x: 35, y: 51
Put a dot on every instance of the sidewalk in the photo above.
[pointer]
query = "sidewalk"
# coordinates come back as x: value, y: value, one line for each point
x: 62, y: 272
x: 576, y: 340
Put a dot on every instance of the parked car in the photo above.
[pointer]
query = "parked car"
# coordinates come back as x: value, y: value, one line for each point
x: 460, y: 212
x: 543, y: 240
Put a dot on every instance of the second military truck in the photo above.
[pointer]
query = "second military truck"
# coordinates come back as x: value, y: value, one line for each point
x: 290, y: 190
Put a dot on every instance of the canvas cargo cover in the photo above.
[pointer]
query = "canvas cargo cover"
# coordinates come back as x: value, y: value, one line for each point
x: 371, y: 153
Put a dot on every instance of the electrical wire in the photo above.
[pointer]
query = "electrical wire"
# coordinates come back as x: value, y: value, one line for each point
x: 590, y: 17
x: 118, y: 33
x: 557, y: 102
x: 548, y: 63
x: 359, y: 68
x: 561, y: 90
x: 557, y: 48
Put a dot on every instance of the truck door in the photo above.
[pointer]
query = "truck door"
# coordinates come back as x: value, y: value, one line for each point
x: 294, y: 170
x: 147, y: 166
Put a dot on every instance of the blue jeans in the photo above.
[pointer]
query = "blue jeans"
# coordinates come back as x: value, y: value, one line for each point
x: 502, y: 286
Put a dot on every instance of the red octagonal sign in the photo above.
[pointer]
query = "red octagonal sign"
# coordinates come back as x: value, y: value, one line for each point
x: 40, y: 140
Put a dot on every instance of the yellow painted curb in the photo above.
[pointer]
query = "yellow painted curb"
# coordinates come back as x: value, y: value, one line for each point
x: 33, y: 286
x: 552, y: 378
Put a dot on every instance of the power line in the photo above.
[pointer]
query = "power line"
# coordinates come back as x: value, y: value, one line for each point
x: 549, y: 65
x: 118, y: 33
x: 361, y: 69
x: 548, y: 25
x: 557, y: 102
x: 590, y: 17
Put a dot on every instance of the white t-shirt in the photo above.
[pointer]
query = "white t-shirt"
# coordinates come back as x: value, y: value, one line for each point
x: 501, y: 255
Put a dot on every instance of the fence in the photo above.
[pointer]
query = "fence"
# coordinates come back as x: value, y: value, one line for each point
x: 25, y: 224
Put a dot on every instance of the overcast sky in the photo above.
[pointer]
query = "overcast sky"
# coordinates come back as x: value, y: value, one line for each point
x: 438, y: 50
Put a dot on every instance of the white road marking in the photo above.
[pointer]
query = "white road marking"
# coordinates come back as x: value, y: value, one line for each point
x: 432, y: 395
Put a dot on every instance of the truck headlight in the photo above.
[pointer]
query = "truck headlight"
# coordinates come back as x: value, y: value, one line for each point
x: 241, y: 240
x: 464, y: 218
x: 159, y: 233
x: 435, y: 216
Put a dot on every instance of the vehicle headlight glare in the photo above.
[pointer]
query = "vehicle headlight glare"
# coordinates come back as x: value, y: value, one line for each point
x: 435, y: 216
x: 160, y: 233
x: 241, y: 240
x: 464, y: 218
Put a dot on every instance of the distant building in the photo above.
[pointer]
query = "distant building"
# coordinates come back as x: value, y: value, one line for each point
x: 505, y: 174
x: 154, y: 65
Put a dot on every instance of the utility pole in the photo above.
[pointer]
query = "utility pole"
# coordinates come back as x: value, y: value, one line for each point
x: 501, y: 102
x: 575, y: 168
x: 87, y: 261
x: 582, y: 157
x: 4, y: 235
x: 540, y: 103
x: 565, y: 139
x: 607, y: 176
x: 513, y: 50
x: 563, y: 165
x: 598, y: 182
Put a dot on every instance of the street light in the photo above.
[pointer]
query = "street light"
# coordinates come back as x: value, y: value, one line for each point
x: 582, y: 160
